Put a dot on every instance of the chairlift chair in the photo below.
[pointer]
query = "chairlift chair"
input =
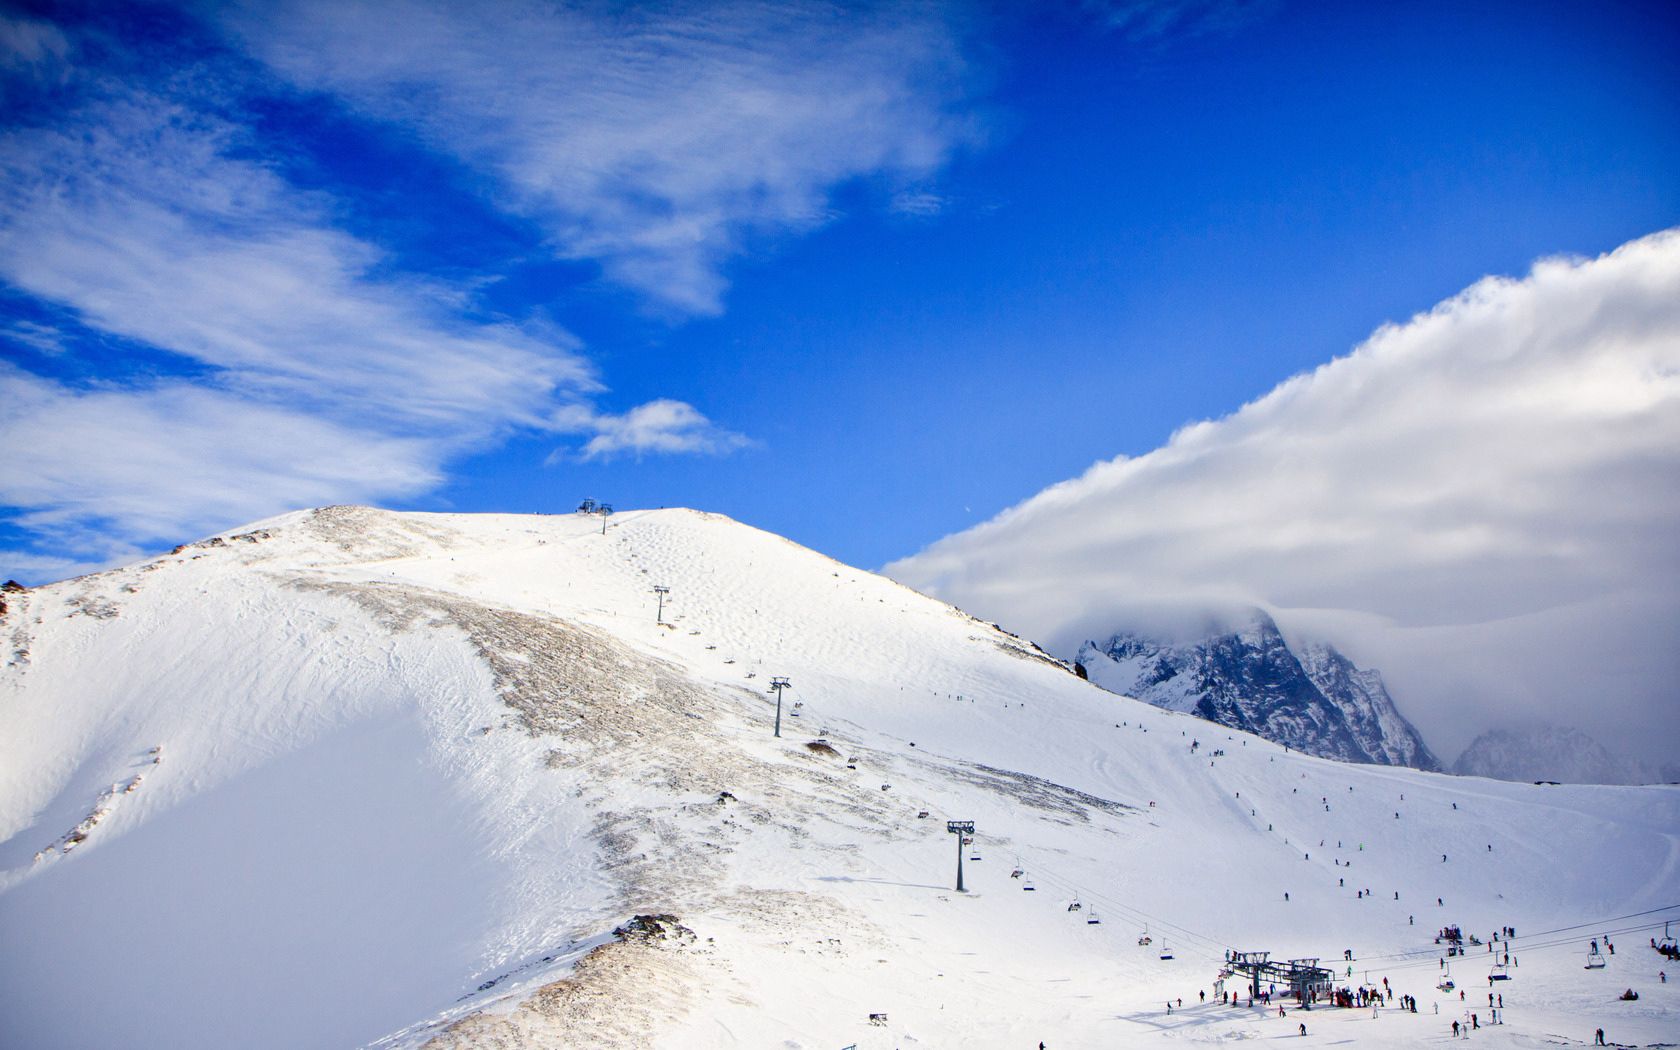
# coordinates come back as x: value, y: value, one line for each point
x: 1595, y: 959
x: 1500, y: 972
x: 1075, y: 906
x: 1166, y: 952
x: 1091, y: 918
x: 1026, y: 884
x: 1143, y: 938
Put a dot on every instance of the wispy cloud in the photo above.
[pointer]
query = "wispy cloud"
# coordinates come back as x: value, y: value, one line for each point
x: 657, y: 139
x: 1483, y: 501
x: 135, y: 213
x: 231, y: 346
x: 1153, y: 21
x: 920, y: 204
x: 658, y: 426
x: 32, y: 47
x: 309, y: 374
x: 98, y: 465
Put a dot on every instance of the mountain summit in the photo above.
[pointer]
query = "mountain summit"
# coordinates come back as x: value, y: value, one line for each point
x: 1314, y: 699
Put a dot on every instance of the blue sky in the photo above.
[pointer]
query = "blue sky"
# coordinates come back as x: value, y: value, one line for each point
x: 862, y: 277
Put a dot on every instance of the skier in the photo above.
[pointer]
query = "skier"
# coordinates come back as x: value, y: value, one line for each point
x: 1598, y: 1037
x: 1303, y: 1029
x: 1455, y: 1029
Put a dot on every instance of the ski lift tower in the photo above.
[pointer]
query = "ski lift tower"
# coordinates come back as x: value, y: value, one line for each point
x: 1251, y: 965
x: 776, y: 686
x: 662, y: 591
x: 962, y: 829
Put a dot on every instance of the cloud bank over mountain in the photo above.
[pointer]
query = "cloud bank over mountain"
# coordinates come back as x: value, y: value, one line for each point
x: 1483, y: 502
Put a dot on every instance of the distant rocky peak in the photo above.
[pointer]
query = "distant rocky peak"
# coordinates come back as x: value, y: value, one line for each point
x: 1244, y: 674
x: 1545, y: 752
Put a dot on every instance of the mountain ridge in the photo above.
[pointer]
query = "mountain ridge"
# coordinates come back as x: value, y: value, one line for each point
x: 1249, y: 677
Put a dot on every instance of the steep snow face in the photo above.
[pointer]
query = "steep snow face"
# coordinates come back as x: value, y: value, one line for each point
x: 1549, y: 753
x: 1250, y: 679
x: 353, y: 777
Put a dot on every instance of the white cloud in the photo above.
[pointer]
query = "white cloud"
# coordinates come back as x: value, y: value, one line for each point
x: 1484, y: 502
x: 653, y: 138
x: 657, y: 426
x: 98, y: 467
x: 310, y: 374
x: 134, y: 214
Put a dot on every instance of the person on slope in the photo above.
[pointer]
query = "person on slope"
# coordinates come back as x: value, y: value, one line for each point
x: 1303, y: 1029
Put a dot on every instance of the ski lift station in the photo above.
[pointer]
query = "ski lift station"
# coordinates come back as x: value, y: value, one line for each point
x: 1304, y: 978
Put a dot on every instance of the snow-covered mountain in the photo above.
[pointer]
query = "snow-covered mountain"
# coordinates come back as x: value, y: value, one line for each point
x: 351, y: 777
x: 1549, y: 753
x: 1249, y: 678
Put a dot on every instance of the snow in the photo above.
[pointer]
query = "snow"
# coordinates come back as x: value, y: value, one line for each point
x: 406, y: 756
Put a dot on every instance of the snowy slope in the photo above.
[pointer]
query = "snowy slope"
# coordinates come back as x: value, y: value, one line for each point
x: 414, y: 770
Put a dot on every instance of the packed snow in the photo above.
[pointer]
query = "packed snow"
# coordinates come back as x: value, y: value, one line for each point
x: 351, y: 777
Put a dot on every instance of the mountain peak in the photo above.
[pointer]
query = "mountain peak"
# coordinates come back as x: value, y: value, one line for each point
x: 1245, y: 675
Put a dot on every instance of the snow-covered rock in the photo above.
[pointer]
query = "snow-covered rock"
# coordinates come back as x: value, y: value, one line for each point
x: 1549, y: 753
x: 412, y: 780
x: 1313, y: 699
